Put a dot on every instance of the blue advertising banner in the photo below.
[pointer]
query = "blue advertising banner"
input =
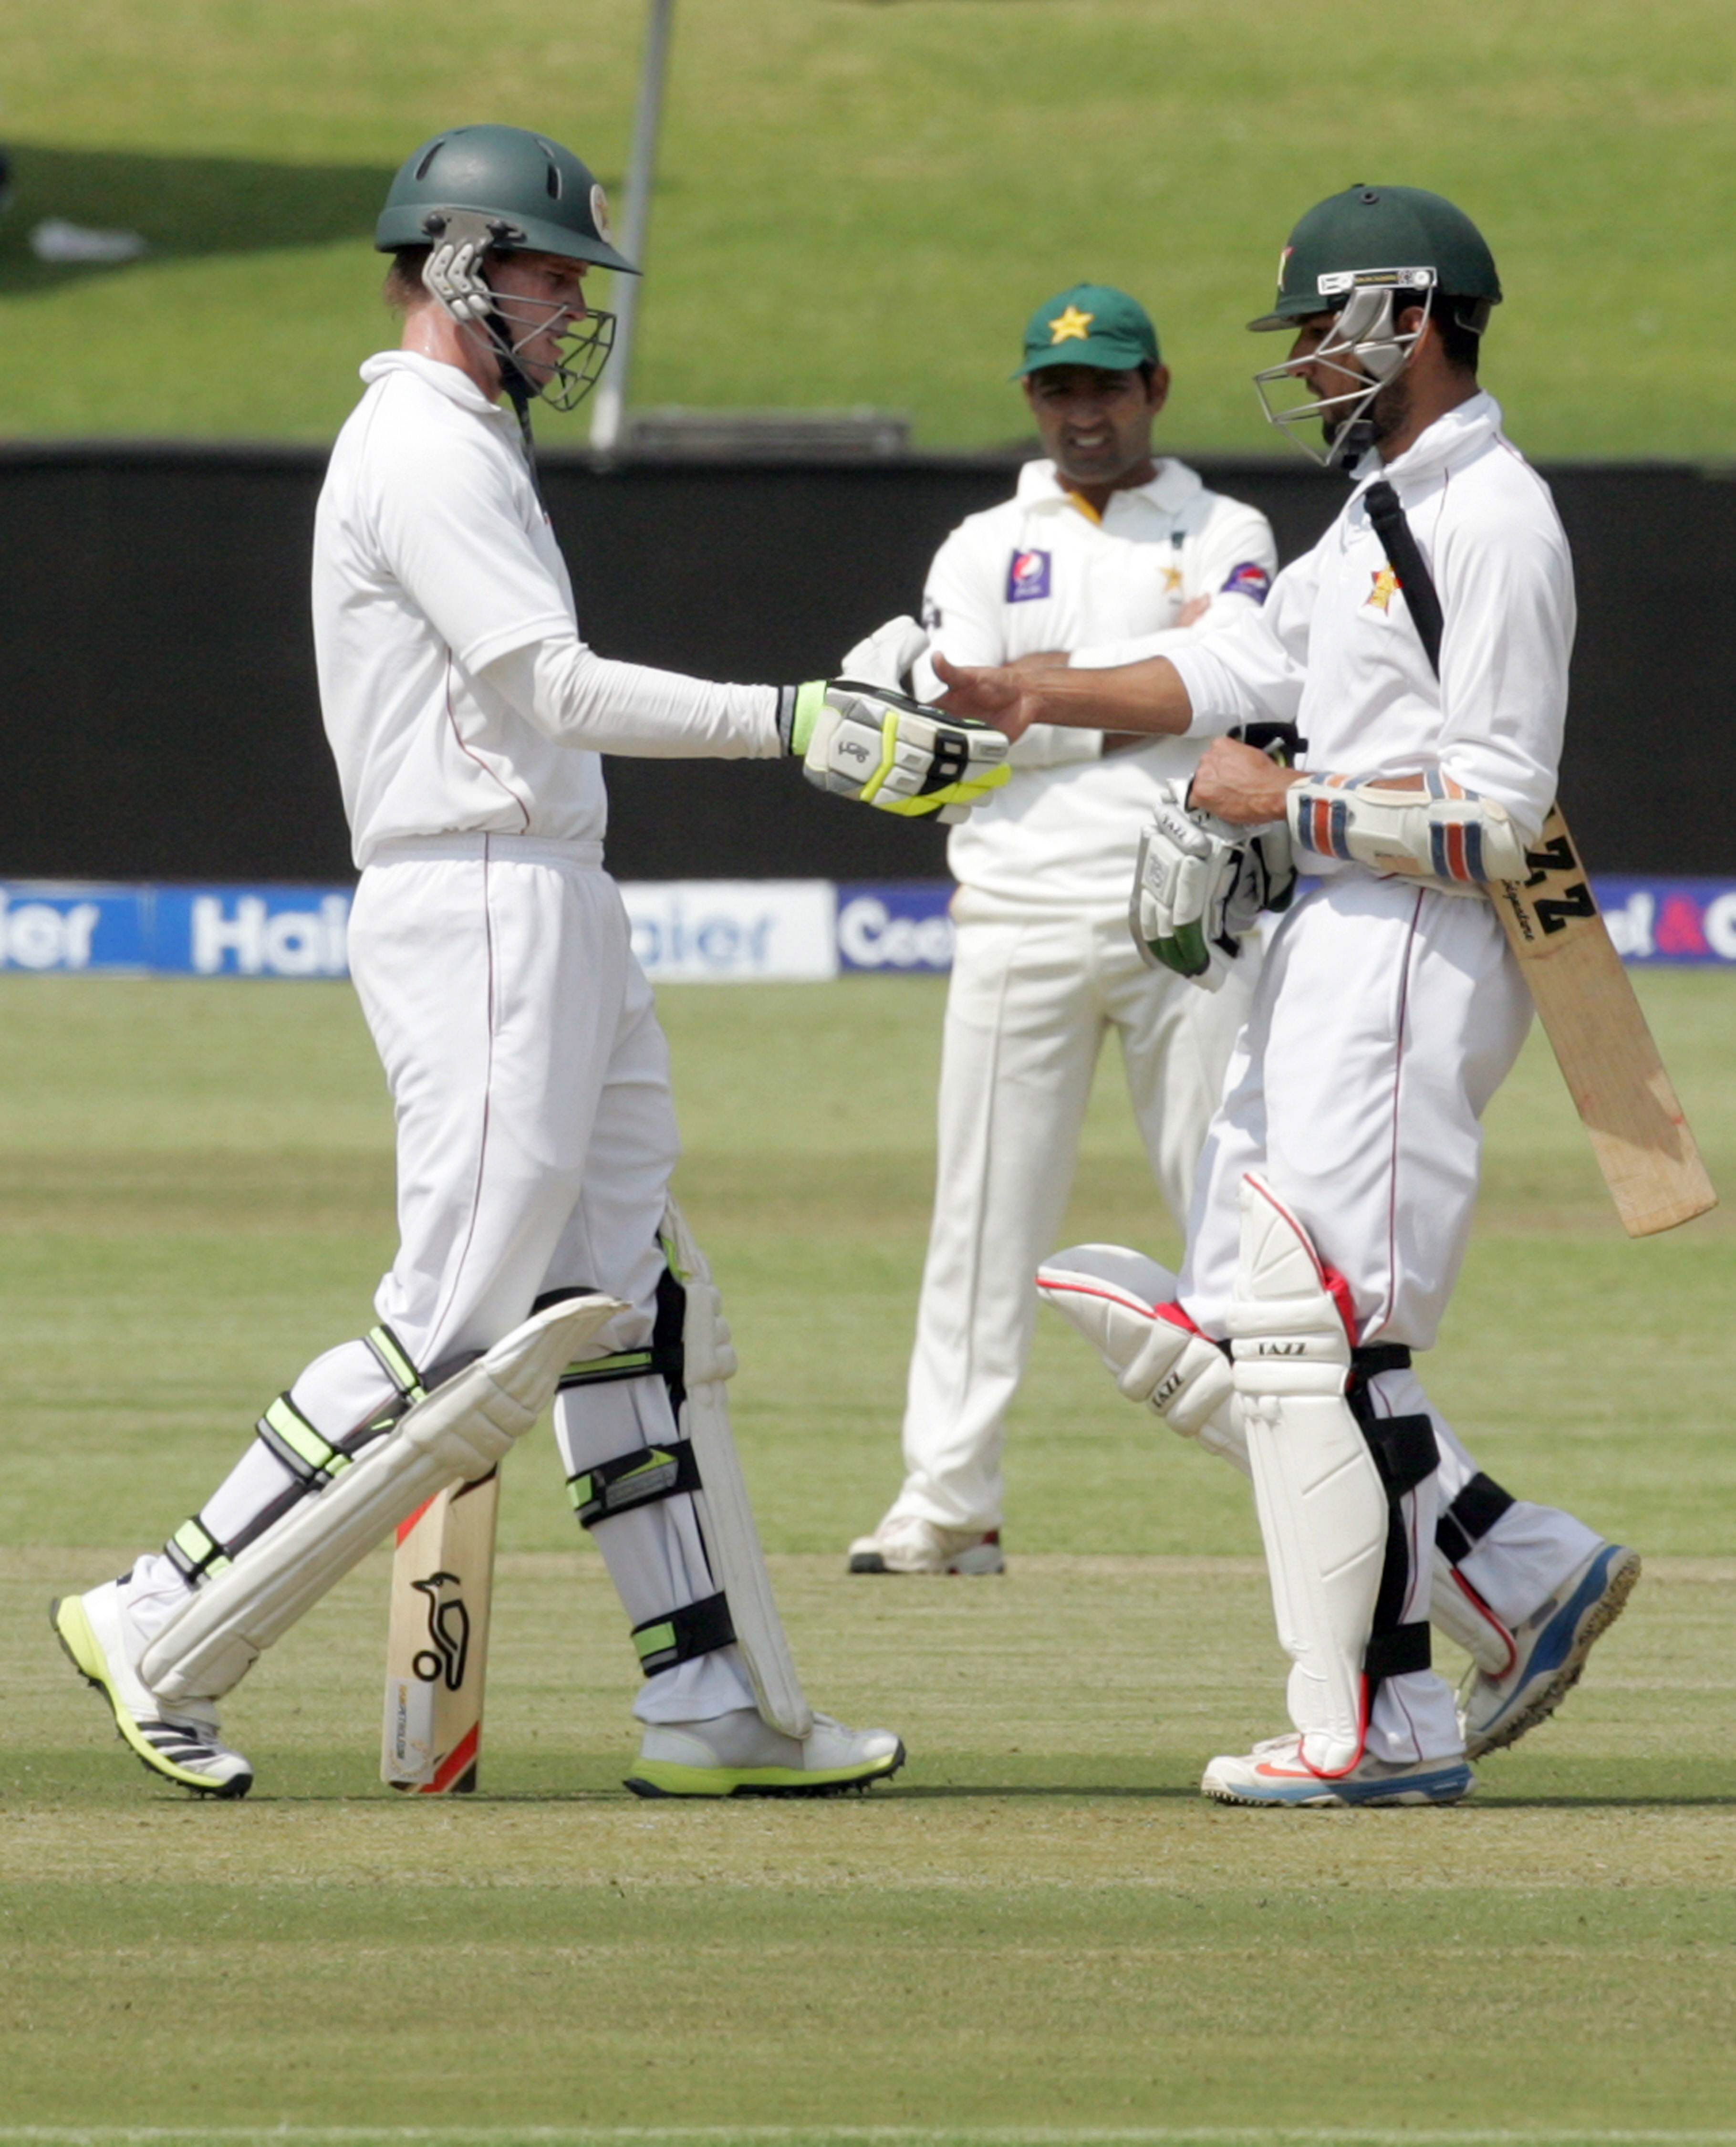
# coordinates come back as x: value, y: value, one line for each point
x: 684, y: 932
x: 899, y: 925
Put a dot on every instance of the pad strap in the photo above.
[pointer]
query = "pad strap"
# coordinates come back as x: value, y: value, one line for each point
x: 1463, y: 1524
x: 640, y: 1479
x: 304, y: 1450
x: 1374, y: 1358
x: 663, y: 1358
x: 195, y: 1553
x: 1406, y: 1454
x: 395, y: 1361
x: 695, y: 1630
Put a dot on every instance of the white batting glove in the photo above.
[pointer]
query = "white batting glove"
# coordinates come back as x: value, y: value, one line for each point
x: 884, y: 657
x: 454, y: 274
x: 1200, y: 885
x: 861, y: 741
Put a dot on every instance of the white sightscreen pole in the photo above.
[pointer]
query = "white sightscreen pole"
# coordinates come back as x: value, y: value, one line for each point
x: 609, y: 411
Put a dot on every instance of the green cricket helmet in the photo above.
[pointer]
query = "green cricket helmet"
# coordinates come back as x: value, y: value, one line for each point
x: 533, y: 196
x: 475, y: 192
x: 1367, y: 255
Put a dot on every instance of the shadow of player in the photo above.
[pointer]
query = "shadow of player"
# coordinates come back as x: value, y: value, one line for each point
x: 181, y: 206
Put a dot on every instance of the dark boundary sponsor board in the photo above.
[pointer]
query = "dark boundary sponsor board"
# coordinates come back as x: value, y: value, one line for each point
x: 161, y: 719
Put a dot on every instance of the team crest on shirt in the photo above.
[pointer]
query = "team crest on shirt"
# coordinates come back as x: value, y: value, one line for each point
x: 1027, y: 578
x: 1385, y: 588
x: 1249, y: 579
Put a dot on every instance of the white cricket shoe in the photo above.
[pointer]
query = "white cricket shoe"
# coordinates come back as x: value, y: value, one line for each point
x: 740, y: 1755
x: 1274, y: 1774
x: 177, y: 1740
x: 1549, y: 1651
x: 904, y: 1543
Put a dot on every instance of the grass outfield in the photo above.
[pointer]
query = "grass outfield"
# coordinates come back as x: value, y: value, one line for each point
x: 1041, y: 1931
x: 860, y: 204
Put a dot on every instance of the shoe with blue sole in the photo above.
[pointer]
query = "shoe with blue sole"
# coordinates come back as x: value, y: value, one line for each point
x: 1549, y: 1651
x: 1274, y: 1774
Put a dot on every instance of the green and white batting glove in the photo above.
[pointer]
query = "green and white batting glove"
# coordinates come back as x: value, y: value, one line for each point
x: 866, y: 742
x: 1200, y: 885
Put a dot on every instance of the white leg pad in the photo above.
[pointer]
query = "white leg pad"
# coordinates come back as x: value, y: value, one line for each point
x: 460, y: 1431
x: 1323, y: 1508
x: 726, y: 1518
x: 1116, y: 1299
x: 1461, y: 1614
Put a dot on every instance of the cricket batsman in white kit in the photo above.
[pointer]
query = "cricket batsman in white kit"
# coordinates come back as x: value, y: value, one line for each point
x: 541, y: 1257
x: 1421, y: 649
x: 1103, y: 555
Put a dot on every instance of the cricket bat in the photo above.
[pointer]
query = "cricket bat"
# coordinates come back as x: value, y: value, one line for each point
x: 1586, y: 1003
x: 436, y: 1648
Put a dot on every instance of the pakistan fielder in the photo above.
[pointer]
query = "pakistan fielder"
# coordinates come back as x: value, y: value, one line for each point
x: 541, y: 1257
x: 1422, y: 650
x: 1104, y: 553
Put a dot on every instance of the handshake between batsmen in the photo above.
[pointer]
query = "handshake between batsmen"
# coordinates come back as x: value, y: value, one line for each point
x: 860, y: 735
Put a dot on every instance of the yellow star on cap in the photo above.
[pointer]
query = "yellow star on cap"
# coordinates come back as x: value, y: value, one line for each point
x: 1069, y: 327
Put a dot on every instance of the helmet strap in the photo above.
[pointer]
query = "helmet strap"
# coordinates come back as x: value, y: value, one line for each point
x: 519, y: 394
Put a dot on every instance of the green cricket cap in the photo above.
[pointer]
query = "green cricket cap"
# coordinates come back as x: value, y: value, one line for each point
x: 1400, y: 235
x: 1090, y: 324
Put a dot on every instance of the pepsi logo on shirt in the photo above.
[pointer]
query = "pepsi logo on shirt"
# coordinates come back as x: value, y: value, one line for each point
x: 1028, y: 576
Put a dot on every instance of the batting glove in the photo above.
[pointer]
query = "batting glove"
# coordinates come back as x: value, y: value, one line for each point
x: 862, y: 741
x: 1200, y: 885
x: 884, y: 657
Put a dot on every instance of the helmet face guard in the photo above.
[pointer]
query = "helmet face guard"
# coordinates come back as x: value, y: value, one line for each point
x: 456, y: 272
x: 583, y: 345
x: 1363, y: 346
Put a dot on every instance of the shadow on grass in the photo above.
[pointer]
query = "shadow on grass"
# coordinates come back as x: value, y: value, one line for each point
x: 183, y: 207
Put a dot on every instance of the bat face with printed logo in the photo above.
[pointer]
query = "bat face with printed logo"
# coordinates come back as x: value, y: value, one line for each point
x: 437, y: 1649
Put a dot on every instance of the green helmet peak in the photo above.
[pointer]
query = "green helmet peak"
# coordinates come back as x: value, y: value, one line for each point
x: 533, y: 196
x: 1401, y: 238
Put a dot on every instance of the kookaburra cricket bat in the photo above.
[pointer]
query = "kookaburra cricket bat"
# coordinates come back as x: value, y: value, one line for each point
x: 1608, y: 1058
x: 436, y: 1648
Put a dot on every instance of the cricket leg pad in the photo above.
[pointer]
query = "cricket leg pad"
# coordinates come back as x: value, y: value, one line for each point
x: 459, y: 1430
x: 1125, y: 1306
x: 691, y: 1353
x: 1321, y: 1505
x: 726, y: 1517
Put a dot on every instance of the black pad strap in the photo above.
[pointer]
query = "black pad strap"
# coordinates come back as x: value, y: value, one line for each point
x: 1406, y: 1454
x: 640, y: 1479
x: 1394, y: 1652
x: 1464, y: 1524
x: 1374, y: 1358
x: 652, y: 1363
x: 1404, y: 1451
x: 695, y: 1630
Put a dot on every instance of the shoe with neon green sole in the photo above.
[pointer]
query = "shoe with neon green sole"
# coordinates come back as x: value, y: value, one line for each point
x: 739, y: 1755
x: 179, y: 1743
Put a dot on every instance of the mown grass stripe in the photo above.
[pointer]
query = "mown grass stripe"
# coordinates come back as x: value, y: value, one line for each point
x: 857, y: 2135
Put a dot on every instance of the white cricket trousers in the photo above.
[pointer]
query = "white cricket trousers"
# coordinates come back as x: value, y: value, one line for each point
x: 1386, y: 1017
x: 1032, y: 998
x: 536, y: 1137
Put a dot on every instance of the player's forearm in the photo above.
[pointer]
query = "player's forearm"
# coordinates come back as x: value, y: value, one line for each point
x: 578, y: 699
x: 1147, y: 698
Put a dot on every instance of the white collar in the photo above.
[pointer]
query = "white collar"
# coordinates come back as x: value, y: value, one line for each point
x: 1168, y: 491
x: 458, y: 387
x: 1464, y: 431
